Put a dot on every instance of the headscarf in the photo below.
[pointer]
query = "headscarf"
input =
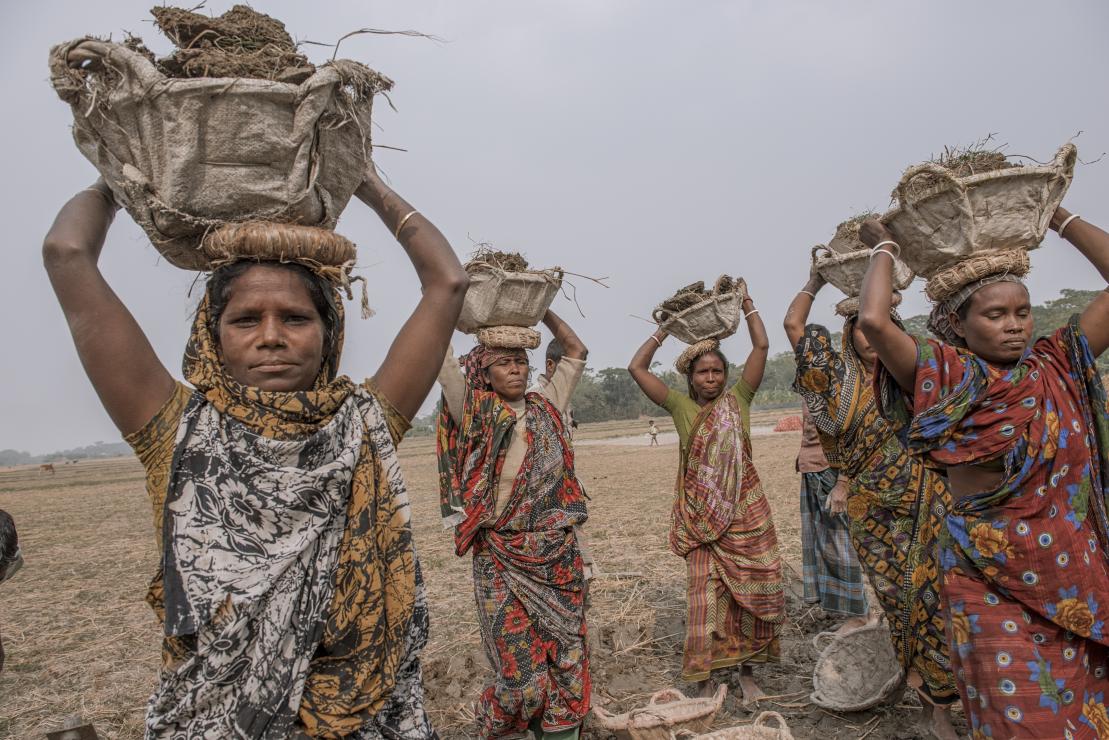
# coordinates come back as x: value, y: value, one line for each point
x: 367, y: 622
x: 481, y: 357
x: 939, y: 321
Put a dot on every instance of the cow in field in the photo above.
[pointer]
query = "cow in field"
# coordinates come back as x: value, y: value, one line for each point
x: 47, y: 468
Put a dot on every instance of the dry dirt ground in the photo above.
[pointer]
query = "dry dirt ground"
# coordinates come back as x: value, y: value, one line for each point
x: 80, y: 639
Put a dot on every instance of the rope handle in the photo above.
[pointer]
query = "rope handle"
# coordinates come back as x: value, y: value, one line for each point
x: 930, y: 168
x: 826, y: 252
x: 672, y: 694
x: 779, y: 720
x: 1066, y: 158
x: 817, y: 639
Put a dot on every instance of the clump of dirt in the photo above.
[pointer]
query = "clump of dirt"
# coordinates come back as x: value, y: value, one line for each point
x: 693, y: 294
x: 240, y: 43
x: 489, y: 257
x: 961, y: 162
x: 847, y: 233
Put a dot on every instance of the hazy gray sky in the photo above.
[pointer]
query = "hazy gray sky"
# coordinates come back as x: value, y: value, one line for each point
x: 656, y: 143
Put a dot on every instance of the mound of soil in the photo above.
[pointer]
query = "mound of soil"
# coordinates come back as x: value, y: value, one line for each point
x: 240, y: 43
x: 960, y: 163
x: 507, y: 261
x: 693, y: 294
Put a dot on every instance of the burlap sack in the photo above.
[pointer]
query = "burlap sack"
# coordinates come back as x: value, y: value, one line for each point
x: 499, y: 298
x: 856, y: 670
x: 667, y: 712
x: 846, y: 271
x: 988, y: 212
x: 716, y: 317
x: 185, y: 155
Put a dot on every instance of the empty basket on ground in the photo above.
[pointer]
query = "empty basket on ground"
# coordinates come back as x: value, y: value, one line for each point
x: 856, y: 670
x: 499, y: 298
x: 847, y: 270
x: 716, y: 317
x: 961, y: 217
x: 667, y: 712
x: 760, y: 729
x: 184, y: 155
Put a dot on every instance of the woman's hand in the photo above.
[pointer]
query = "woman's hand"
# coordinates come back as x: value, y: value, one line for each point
x: 88, y: 54
x: 837, y: 499
x: 873, y: 232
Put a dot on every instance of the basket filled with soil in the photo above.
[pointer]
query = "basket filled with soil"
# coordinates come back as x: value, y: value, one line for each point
x: 505, y: 292
x: 695, y: 314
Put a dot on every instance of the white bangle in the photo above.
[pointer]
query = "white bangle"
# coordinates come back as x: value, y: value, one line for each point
x: 879, y: 246
x: 877, y: 250
x: 749, y: 315
x: 808, y: 293
x: 1063, y: 226
x: 657, y: 340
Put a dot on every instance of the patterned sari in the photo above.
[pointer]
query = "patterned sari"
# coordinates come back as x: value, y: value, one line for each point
x: 721, y: 525
x: 1025, y: 570
x: 529, y: 581
x: 894, y: 503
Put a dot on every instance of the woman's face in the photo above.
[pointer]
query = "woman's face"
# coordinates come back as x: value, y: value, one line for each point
x: 708, y: 376
x: 271, y: 335
x: 508, y: 376
x: 998, y: 323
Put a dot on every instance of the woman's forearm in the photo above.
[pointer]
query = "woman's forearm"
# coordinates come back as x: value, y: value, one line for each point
x: 80, y: 228
x: 435, y: 262
x: 797, y: 315
x: 755, y: 327
x: 645, y: 355
x: 1088, y: 239
x: 572, y: 346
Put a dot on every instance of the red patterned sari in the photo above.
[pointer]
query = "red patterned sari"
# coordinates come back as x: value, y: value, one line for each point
x: 721, y: 525
x: 1025, y: 572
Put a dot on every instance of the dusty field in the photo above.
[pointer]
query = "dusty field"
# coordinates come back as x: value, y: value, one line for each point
x: 79, y: 637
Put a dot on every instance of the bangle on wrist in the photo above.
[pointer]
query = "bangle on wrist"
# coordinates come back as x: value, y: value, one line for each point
x: 879, y: 245
x: 657, y: 340
x: 881, y: 250
x: 1066, y: 223
x: 750, y: 313
x: 808, y: 293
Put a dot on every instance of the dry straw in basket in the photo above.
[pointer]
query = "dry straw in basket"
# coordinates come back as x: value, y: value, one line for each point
x: 951, y: 280
x: 508, y: 337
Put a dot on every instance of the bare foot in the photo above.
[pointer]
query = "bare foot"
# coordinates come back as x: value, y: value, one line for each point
x: 751, y: 691
x: 705, y: 689
x: 937, y: 721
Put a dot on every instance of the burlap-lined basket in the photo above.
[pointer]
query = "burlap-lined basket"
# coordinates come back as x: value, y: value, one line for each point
x: 186, y: 155
x: 508, y: 337
x: 951, y: 280
x: 857, y: 669
x: 966, y: 216
x: 846, y: 271
x: 667, y: 712
x: 499, y: 298
x: 716, y: 317
x: 760, y: 729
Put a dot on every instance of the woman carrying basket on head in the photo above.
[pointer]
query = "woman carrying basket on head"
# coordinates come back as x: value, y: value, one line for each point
x: 1022, y: 427
x: 508, y: 487
x: 892, y: 497
x: 721, y: 522
x: 288, y: 585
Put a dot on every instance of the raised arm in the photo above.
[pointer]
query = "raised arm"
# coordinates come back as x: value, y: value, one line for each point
x: 896, y: 348
x: 413, y: 361
x: 797, y: 315
x: 1093, y: 243
x: 640, y: 369
x: 572, y: 346
x: 130, y: 380
x: 755, y: 365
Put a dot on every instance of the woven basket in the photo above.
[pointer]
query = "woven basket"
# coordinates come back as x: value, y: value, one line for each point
x: 850, y: 306
x: 716, y: 317
x: 760, y: 729
x: 950, y: 280
x: 508, y: 337
x: 988, y: 212
x: 186, y: 155
x: 857, y: 669
x: 499, y: 298
x: 846, y: 271
x: 267, y: 241
x: 667, y: 712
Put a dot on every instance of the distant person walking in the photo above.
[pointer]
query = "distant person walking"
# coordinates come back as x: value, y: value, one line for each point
x: 652, y: 432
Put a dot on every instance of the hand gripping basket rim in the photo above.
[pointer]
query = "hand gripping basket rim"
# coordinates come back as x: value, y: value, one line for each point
x: 657, y: 721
